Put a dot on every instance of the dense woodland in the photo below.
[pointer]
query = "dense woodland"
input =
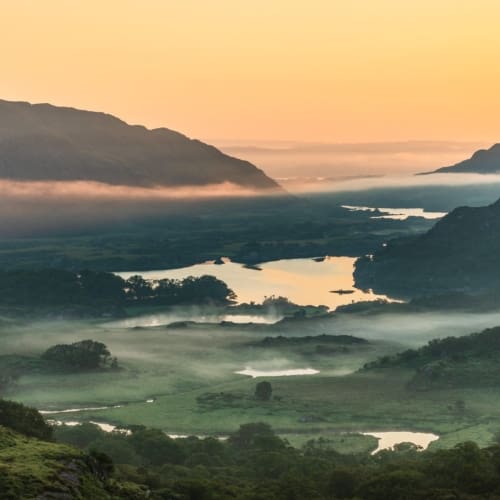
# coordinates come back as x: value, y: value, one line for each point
x: 459, y: 253
x: 253, y: 464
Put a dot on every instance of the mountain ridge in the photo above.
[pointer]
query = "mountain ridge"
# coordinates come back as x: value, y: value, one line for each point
x: 482, y: 161
x: 459, y: 253
x: 43, y: 142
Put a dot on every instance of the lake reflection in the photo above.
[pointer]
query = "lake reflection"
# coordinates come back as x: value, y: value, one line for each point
x: 387, y: 440
x: 292, y: 372
x: 397, y: 213
x: 303, y: 281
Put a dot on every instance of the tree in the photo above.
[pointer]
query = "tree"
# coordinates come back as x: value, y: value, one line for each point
x: 23, y: 419
x: 83, y: 355
x: 138, y: 288
x: 342, y: 483
x: 263, y: 391
x: 156, y: 447
x: 256, y: 435
x: 102, y: 286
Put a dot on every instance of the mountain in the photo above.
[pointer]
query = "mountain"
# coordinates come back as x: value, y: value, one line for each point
x: 459, y: 253
x: 47, y: 143
x: 483, y: 161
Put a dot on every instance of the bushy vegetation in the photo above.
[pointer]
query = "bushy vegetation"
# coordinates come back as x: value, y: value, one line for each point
x: 468, y: 361
x: 190, y: 290
x: 82, y: 355
x: 263, y: 391
x: 282, y: 341
x: 23, y: 419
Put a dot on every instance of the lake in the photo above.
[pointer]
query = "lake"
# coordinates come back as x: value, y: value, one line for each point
x: 303, y: 281
x: 387, y: 440
x: 291, y: 372
x: 396, y: 213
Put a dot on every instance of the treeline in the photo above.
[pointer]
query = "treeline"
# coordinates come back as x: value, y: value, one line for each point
x: 476, y: 346
x: 452, y: 362
x: 53, y: 287
x: 256, y: 464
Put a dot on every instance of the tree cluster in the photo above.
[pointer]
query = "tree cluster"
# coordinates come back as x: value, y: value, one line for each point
x: 256, y: 464
x: 23, y: 419
x: 53, y: 287
x: 82, y: 355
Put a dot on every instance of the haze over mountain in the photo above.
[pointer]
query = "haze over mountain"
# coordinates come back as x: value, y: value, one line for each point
x: 459, y: 253
x: 41, y: 142
x: 483, y: 161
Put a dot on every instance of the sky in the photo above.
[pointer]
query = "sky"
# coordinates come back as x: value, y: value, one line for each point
x: 275, y: 70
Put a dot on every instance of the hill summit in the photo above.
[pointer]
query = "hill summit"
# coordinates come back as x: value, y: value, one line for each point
x: 483, y: 161
x: 41, y: 142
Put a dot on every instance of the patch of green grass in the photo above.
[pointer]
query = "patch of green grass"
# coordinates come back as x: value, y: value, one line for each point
x: 30, y: 468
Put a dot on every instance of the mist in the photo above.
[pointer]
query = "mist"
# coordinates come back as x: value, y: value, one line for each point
x: 38, y: 207
x: 331, y: 185
x: 289, y: 162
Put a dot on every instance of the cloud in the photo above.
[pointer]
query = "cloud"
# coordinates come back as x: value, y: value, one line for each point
x: 97, y: 190
x: 37, y: 207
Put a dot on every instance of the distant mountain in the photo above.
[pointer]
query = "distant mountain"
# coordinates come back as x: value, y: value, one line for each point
x: 49, y: 143
x: 484, y: 161
x: 460, y: 253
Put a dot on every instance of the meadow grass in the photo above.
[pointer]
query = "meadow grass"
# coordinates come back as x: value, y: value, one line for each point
x: 178, y: 366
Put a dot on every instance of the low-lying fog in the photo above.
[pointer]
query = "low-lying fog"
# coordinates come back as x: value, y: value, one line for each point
x: 415, y: 329
x: 180, y: 363
x: 287, y: 161
x: 153, y: 343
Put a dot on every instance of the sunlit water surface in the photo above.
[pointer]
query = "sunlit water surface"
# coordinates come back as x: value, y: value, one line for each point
x: 303, y: 281
x: 397, y: 213
x: 254, y: 373
x: 387, y: 440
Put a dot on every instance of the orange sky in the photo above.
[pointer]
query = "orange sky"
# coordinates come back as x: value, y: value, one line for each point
x: 312, y: 70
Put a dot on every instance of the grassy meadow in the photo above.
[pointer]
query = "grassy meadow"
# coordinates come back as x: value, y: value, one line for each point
x: 190, y: 373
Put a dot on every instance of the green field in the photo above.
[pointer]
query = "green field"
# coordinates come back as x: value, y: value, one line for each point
x: 190, y: 374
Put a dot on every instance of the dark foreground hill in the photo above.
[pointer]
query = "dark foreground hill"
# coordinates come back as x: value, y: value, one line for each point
x: 484, y: 161
x: 460, y: 253
x: 48, y: 143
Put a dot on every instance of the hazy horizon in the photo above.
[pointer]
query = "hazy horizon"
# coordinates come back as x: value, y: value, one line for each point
x: 335, y: 72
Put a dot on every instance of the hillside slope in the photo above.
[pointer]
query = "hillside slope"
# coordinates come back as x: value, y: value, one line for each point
x: 483, y: 161
x: 452, y: 362
x: 48, y: 143
x: 30, y: 468
x: 460, y: 253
